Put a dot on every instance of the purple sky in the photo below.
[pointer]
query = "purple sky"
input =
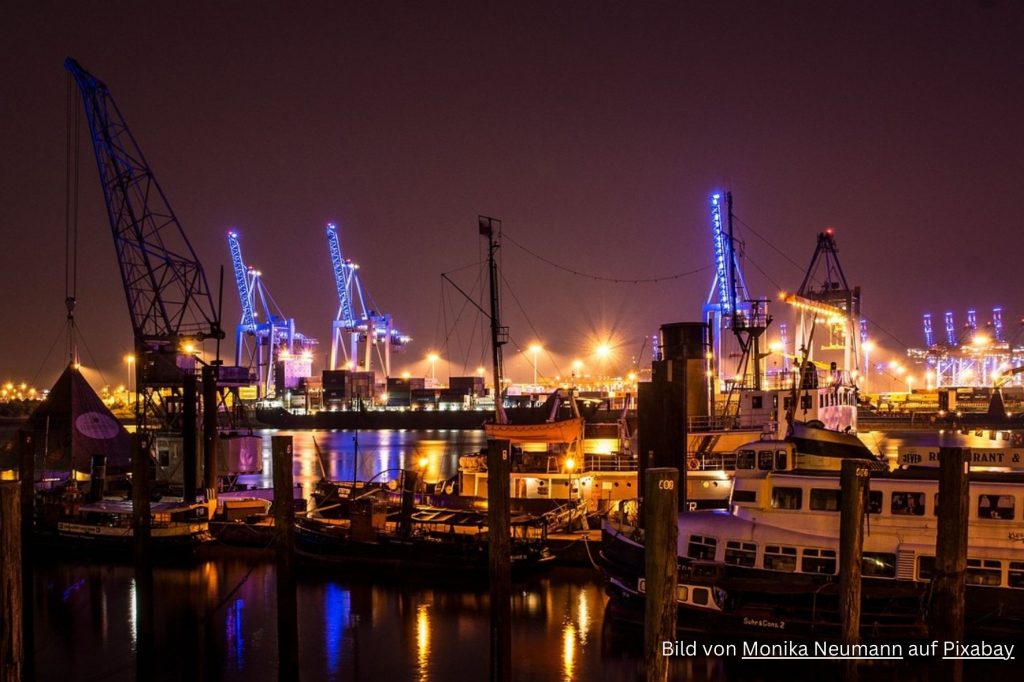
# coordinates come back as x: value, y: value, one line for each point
x: 595, y: 130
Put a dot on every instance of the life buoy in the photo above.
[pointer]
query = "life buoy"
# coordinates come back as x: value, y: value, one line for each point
x: 692, y: 464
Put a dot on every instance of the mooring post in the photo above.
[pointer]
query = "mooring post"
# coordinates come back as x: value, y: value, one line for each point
x: 189, y: 437
x: 499, y: 548
x: 284, y: 530
x: 210, y: 435
x: 948, y: 583
x: 141, y: 524
x: 661, y: 530
x: 27, y: 475
x: 853, y: 487
x: 11, y: 598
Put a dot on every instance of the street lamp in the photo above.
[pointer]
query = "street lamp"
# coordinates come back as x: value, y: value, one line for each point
x: 129, y: 360
x: 535, y: 349
x: 432, y: 359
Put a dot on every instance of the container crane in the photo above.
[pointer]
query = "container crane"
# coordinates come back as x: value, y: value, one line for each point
x: 373, y: 329
x: 733, y: 309
x: 279, y: 355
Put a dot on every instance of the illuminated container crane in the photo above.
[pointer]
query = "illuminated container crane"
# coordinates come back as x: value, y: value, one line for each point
x: 374, y: 330
x: 279, y: 355
x: 733, y: 309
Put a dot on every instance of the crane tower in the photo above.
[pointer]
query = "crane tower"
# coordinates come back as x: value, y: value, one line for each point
x: 355, y: 323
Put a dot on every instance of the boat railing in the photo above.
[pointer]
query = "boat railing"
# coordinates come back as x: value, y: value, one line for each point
x: 612, y: 462
x: 712, y: 461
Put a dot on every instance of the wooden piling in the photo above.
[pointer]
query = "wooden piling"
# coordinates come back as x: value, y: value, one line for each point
x: 284, y: 530
x: 853, y: 486
x: 141, y: 515
x: 11, y: 597
x: 661, y: 530
x: 141, y: 523
x: 499, y: 547
x: 189, y: 440
x: 27, y: 474
x: 210, y: 435
x: 948, y: 583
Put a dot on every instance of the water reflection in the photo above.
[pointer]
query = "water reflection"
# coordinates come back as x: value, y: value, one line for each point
x: 365, y: 455
x: 423, y: 641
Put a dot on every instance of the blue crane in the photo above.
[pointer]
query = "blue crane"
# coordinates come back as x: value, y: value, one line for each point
x: 733, y: 309
x: 363, y: 325
x: 275, y: 341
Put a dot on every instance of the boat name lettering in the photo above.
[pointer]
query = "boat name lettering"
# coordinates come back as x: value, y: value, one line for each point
x: 765, y: 623
x: 994, y: 457
x: 666, y: 484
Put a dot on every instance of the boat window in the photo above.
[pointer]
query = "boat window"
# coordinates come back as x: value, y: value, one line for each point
x: 818, y: 561
x: 787, y: 403
x: 740, y: 553
x: 744, y: 495
x: 787, y: 498
x: 745, y: 459
x: 925, y: 567
x: 988, y: 572
x: 682, y: 593
x: 1015, y: 576
x: 756, y: 402
x: 878, y: 565
x: 164, y: 457
x: 702, y: 548
x: 935, y: 507
x: 781, y: 460
x: 821, y: 400
x: 701, y: 596
x: 908, y: 503
x: 778, y: 558
x: 805, y: 402
x: 764, y: 460
x: 995, y: 507
x: 824, y: 499
x: 874, y: 502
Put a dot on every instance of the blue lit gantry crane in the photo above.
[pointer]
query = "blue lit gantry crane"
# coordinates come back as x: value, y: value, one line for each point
x: 372, y: 329
x: 279, y: 355
x: 970, y: 356
x: 733, y: 310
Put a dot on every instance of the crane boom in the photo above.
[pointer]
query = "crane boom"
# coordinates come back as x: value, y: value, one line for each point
x: 343, y: 271
x: 241, y: 282
x: 168, y: 297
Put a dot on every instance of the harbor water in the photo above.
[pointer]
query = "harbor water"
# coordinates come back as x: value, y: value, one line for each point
x: 217, y: 619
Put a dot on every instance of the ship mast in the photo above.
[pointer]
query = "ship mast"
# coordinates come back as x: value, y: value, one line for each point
x: 499, y: 334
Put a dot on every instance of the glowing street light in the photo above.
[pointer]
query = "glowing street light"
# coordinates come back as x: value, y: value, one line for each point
x: 129, y: 360
x: 432, y: 359
x: 535, y: 349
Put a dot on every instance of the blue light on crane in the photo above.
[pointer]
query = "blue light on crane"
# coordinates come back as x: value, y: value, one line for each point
x: 721, y: 253
x: 997, y: 324
x: 248, y: 322
x: 929, y: 335
x: 950, y: 330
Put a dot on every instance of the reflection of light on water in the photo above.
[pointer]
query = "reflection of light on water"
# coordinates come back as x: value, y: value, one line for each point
x: 423, y: 640
x: 569, y: 651
x: 133, y: 615
x: 583, y: 618
x: 233, y: 631
x: 337, y: 613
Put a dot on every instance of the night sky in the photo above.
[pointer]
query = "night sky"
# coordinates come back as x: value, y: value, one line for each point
x: 594, y: 130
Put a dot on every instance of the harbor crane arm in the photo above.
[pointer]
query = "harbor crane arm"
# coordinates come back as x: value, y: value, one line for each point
x: 343, y: 271
x: 168, y: 297
x: 241, y: 282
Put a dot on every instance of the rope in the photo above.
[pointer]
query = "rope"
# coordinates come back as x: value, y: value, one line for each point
x: 600, y: 278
